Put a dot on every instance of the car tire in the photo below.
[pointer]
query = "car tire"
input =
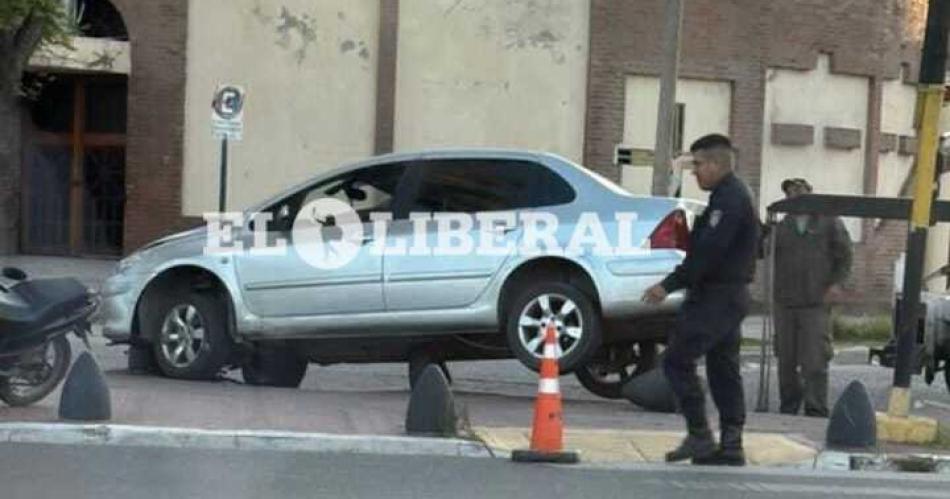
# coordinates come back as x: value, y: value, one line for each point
x: 606, y: 377
x: 274, y: 366
x: 579, y: 324
x: 189, y: 335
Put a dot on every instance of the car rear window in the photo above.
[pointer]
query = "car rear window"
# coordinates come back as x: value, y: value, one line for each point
x: 477, y: 185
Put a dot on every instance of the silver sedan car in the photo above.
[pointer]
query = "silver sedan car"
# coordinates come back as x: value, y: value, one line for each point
x: 192, y: 313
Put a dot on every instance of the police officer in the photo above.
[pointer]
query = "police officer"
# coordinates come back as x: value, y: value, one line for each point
x: 718, y: 267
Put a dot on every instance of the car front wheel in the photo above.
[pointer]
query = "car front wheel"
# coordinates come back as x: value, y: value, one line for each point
x: 569, y: 310
x: 189, y: 335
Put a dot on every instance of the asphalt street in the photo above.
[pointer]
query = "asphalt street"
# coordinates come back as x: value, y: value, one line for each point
x: 35, y: 471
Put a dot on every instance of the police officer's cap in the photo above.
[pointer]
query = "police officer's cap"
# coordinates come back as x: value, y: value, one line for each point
x: 711, y: 141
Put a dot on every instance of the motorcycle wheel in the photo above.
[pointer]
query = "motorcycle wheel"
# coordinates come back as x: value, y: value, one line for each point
x: 40, y: 373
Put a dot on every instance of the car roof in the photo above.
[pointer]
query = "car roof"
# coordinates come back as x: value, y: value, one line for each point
x: 560, y: 163
x: 453, y: 153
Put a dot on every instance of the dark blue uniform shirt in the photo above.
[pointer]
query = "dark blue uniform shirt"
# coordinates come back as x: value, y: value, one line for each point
x: 723, y: 242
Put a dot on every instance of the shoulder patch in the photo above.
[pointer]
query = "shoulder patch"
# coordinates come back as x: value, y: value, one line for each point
x: 714, y: 218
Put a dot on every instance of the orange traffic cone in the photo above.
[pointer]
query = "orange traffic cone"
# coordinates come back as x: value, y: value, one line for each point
x: 547, y: 430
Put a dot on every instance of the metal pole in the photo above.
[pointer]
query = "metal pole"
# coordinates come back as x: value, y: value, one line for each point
x: 929, y: 101
x: 765, y: 362
x: 663, y: 150
x: 223, y: 182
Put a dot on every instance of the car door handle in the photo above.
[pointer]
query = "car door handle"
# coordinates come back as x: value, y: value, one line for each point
x: 367, y: 240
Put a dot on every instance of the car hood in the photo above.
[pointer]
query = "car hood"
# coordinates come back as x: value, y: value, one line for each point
x: 187, y: 244
x: 185, y: 237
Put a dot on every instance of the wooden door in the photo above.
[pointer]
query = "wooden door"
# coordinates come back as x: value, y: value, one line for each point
x: 74, y: 167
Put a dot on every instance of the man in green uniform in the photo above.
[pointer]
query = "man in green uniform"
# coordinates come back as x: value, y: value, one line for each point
x: 812, y: 260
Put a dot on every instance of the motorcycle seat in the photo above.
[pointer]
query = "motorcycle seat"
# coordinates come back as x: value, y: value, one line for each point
x: 32, y: 305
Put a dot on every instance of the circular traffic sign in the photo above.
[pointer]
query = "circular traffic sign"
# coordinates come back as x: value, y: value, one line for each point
x: 228, y: 102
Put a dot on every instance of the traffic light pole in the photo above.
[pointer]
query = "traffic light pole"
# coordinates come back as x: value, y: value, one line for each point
x: 927, y: 120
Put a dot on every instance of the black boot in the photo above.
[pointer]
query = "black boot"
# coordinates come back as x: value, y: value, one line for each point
x: 698, y: 444
x: 729, y: 452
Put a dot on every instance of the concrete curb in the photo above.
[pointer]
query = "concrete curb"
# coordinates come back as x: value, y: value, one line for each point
x: 153, y: 436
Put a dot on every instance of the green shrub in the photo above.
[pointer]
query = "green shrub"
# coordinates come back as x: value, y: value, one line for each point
x: 876, y: 329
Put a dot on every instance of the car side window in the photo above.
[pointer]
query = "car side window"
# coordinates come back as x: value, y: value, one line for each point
x: 367, y: 190
x: 478, y: 185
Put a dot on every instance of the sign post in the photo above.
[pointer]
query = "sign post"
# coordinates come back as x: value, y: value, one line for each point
x: 227, y: 119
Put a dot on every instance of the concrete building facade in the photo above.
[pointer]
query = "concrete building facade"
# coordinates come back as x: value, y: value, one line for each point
x: 810, y: 88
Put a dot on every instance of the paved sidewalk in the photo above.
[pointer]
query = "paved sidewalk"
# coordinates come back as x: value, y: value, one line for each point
x: 610, y: 446
x: 91, y: 271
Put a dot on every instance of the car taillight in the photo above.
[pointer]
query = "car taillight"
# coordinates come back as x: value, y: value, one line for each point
x: 672, y: 233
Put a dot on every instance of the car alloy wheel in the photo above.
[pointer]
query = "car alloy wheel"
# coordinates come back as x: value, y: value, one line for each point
x: 183, y: 335
x: 546, y: 310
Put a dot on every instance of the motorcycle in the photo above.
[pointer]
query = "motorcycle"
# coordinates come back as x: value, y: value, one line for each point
x: 36, y: 317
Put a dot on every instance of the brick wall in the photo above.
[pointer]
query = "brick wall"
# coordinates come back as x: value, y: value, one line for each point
x: 158, y: 32
x: 736, y: 40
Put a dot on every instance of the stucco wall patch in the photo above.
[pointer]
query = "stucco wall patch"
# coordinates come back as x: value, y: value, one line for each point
x: 888, y: 142
x: 498, y: 73
x: 842, y: 138
x: 310, y: 76
x: 787, y: 134
x: 908, y: 145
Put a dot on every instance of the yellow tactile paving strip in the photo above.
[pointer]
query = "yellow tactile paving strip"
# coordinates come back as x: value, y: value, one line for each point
x: 645, y: 446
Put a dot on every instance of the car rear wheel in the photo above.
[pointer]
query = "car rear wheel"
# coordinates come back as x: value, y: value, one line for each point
x: 572, y: 313
x: 614, y: 365
x: 189, y: 334
x: 274, y: 366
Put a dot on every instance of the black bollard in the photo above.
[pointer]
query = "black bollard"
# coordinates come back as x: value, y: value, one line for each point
x: 651, y: 390
x: 432, y: 406
x: 853, y: 423
x: 85, y: 394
